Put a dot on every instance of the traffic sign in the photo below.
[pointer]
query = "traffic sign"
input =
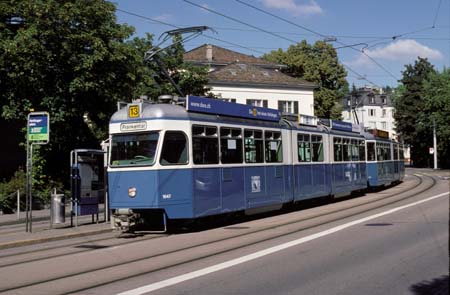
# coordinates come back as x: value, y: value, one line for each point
x: 38, y: 128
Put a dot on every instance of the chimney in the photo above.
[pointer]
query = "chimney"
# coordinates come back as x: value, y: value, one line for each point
x: 209, y: 53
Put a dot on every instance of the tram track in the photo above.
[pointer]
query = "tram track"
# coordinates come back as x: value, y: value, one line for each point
x: 54, y: 249
x: 212, y: 248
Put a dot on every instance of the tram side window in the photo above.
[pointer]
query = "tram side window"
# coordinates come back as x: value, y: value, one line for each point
x: 338, y: 148
x: 371, y: 151
x: 355, y: 149
x: 273, y: 146
x: 304, y: 148
x: 205, y: 144
x: 395, y: 151
x: 387, y: 151
x: 380, y: 152
x: 402, y: 153
x: 317, y: 148
x: 347, y: 149
x: 174, y: 149
x: 362, y: 150
x: 253, y: 146
x: 230, y: 145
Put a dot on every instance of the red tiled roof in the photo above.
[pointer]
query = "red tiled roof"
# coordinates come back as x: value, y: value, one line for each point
x: 221, y: 55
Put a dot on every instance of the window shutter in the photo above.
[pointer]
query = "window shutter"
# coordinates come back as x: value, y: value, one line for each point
x: 280, y: 105
x: 295, y: 107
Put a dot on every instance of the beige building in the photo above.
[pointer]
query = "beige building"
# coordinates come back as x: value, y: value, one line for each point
x: 245, y: 79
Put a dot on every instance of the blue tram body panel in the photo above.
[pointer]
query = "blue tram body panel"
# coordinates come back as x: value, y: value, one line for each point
x: 207, y: 182
x: 311, y: 181
x: 232, y: 189
x: 170, y: 190
x: 145, y: 182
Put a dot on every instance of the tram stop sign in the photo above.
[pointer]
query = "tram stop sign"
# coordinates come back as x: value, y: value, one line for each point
x: 38, y: 128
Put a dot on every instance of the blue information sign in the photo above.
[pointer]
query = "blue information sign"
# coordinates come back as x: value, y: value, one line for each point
x: 340, y: 125
x: 218, y: 107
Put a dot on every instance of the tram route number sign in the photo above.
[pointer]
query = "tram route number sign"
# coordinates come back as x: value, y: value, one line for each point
x: 134, y: 111
x: 38, y: 128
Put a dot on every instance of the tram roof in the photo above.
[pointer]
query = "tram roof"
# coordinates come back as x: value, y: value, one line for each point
x: 176, y: 112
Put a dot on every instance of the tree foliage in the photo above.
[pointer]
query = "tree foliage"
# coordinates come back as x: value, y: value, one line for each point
x: 409, y: 106
x: 316, y: 63
x: 437, y: 110
x: 72, y: 59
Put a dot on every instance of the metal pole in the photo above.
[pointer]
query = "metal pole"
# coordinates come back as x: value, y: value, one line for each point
x: 435, y: 144
x: 18, y: 204
x: 27, y: 186
x: 30, y: 201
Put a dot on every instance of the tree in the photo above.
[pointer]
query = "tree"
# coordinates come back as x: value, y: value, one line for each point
x: 316, y: 63
x: 68, y: 58
x: 72, y: 59
x: 437, y: 110
x: 189, y: 78
x: 409, y: 105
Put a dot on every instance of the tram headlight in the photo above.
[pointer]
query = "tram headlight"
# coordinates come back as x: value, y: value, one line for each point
x: 132, y: 192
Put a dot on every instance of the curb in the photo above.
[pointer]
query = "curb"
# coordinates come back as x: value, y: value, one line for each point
x: 20, y: 243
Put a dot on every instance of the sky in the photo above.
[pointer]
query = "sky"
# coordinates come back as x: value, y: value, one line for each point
x: 374, y: 39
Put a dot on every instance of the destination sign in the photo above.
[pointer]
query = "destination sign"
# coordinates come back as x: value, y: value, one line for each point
x: 340, y: 125
x: 218, y: 107
x: 381, y: 133
x: 133, y: 126
x: 38, y: 128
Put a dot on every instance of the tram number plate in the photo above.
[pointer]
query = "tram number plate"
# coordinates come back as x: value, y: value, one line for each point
x: 133, y: 111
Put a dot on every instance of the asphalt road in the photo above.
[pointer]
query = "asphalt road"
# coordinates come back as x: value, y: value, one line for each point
x: 382, y: 243
x: 404, y: 252
x: 401, y: 253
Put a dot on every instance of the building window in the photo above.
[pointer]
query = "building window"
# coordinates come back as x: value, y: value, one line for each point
x: 383, y: 125
x: 228, y: 99
x: 384, y: 100
x: 372, y: 113
x: 372, y: 99
x: 257, y: 102
x: 383, y: 113
x: 285, y: 106
x: 372, y: 124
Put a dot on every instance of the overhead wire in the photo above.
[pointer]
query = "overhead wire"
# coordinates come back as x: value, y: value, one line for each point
x: 437, y: 13
x: 239, y: 21
x: 178, y: 27
x: 317, y: 33
x: 271, y: 33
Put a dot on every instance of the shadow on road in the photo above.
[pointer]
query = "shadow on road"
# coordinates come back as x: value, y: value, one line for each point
x: 437, y: 286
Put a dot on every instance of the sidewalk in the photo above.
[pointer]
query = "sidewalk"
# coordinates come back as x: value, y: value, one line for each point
x: 13, y: 231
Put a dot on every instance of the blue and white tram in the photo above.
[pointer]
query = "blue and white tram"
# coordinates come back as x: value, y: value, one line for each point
x: 214, y: 157
x: 384, y: 159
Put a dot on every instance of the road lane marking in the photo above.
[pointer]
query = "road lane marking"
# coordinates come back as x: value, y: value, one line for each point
x: 268, y: 251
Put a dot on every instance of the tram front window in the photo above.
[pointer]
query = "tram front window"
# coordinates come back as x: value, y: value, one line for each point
x: 134, y: 149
